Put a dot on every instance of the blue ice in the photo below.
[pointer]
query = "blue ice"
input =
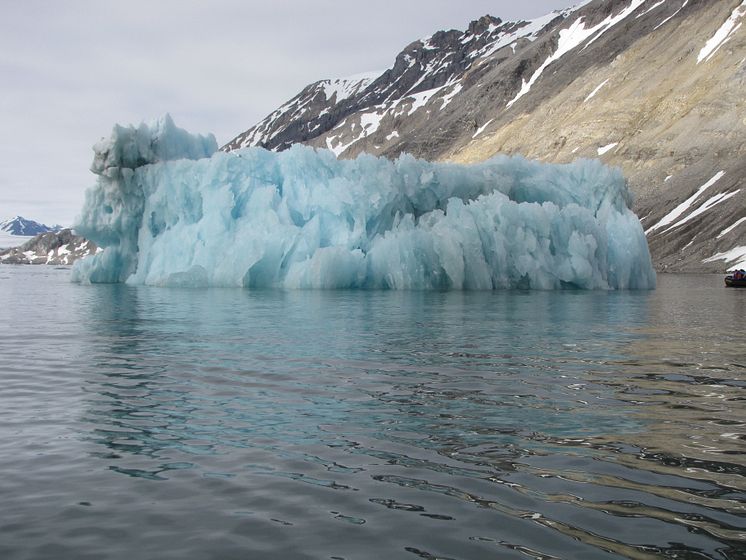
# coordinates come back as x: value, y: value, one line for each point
x: 170, y: 210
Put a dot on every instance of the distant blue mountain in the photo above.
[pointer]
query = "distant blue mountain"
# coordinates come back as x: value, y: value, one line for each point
x: 22, y: 226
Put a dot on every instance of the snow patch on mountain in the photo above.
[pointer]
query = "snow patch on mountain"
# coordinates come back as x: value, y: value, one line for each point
x: 572, y: 37
x: 723, y: 34
x: 420, y: 99
x: 525, y: 30
x: 727, y: 230
x: 592, y: 94
x: 448, y: 97
x: 481, y: 128
x: 673, y: 15
x: 368, y: 124
x: 684, y: 206
x: 603, y: 149
x: 736, y: 256
x: 341, y: 88
x: 650, y: 9
x: 707, y: 205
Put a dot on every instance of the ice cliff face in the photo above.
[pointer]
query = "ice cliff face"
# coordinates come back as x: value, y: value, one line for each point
x: 652, y: 86
x: 169, y: 211
x: 112, y: 214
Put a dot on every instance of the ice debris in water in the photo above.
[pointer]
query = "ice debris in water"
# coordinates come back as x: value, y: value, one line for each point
x: 171, y: 210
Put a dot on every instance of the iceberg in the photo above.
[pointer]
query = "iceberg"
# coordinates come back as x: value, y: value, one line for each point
x: 169, y: 209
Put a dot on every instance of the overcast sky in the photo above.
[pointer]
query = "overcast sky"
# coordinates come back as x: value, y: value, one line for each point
x: 70, y: 69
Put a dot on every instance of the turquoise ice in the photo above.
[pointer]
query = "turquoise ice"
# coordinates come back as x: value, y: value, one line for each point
x: 171, y: 210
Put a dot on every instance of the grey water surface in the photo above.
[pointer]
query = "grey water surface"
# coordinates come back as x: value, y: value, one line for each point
x: 140, y: 422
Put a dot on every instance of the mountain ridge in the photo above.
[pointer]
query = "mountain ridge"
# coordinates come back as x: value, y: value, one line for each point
x: 23, y: 227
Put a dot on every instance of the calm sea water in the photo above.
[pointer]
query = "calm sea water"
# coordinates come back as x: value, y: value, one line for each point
x: 161, y: 423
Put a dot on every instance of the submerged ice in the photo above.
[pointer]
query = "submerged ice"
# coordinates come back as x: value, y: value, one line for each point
x: 169, y: 209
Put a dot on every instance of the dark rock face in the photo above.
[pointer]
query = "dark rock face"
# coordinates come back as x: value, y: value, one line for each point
x: 56, y: 248
x: 653, y: 87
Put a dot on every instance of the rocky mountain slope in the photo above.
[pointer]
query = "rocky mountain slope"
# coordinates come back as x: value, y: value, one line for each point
x: 655, y: 87
x: 57, y: 248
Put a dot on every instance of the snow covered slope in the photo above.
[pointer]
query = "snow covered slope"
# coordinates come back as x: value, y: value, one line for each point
x: 653, y: 86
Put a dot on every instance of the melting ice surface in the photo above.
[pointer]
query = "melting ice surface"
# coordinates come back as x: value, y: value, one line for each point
x: 169, y: 209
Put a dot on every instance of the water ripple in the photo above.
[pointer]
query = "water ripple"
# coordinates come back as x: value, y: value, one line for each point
x: 227, y: 423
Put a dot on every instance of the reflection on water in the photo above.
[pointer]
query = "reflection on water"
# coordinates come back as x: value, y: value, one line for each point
x: 229, y: 423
